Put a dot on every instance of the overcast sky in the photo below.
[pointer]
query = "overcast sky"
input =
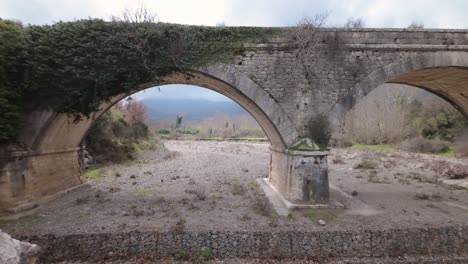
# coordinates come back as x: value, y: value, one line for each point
x: 175, y: 91
x: 376, y: 13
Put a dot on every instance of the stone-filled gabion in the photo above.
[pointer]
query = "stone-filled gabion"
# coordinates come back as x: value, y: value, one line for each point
x: 260, y: 244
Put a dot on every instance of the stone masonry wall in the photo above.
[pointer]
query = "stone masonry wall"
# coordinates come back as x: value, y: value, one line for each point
x: 288, y: 244
x: 345, y: 58
x: 28, y: 178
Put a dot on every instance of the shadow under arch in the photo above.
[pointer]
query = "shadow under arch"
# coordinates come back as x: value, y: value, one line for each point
x: 61, y: 133
x: 444, y: 74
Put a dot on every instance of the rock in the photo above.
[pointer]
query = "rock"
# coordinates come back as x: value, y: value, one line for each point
x: 13, y: 251
x: 322, y: 222
x: 87, y: 158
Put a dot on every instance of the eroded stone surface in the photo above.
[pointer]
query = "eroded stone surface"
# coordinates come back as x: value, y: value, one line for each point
x: 13, y: 251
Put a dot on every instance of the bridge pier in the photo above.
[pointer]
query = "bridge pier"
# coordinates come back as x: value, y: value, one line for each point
x: 30, y: 178
x: 300, y: 176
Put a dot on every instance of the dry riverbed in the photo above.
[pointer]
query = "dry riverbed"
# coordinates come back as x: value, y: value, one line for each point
x: 199, y: 185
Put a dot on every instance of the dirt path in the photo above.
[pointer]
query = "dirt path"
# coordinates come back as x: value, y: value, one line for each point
x: 211, y: 186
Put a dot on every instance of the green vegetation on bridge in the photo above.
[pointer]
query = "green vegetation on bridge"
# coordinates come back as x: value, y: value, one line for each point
x: 72, y: 67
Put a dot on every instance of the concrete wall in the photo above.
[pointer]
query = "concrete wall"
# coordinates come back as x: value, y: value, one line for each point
x: 155, y: 245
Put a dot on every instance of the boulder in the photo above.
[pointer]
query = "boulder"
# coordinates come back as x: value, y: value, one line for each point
x: 13, y: 251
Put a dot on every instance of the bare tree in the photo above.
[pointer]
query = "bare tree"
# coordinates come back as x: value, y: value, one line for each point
x: 140, y: 14
x: 381, y: 117
x: 221, y: 24
x: 355, y: 23
x: 307, y: 36
x: 416, y: 25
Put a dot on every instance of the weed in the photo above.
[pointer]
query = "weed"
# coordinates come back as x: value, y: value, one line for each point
x: 403, y: 181
x: 116, y: 174
x: 261, y: 206
x: 171, y: 155
x: 82, y: 200
x: 193, y: 207
x: 238, y: 189
x: 180, y: 225
x: 216, y: 196
x: 198, y: 192
x: 436, y: 196
x: 161, y: 200
x: 181, y: 256
x: 366, y: 164
x: 192, y: 182
x: 114, y: 189
x: 100, y: 196
x: 145, y: 191
x: 252, y: 185
x: 362, y: 146
x: 421, y: 196
x: 138, y: 213
x: 338, y: 160
x: 184, y: 201
x: 93, y: 174
x: 320, y: 214
x: 205, y: 255
x: 245, y: 218
x: 373, y: 178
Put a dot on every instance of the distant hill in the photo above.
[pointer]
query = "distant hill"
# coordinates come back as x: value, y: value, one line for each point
x: 191, y: 109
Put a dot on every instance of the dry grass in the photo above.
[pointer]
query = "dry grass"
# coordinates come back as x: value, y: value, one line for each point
x: 426, y: 196
x: 423, y: 145
x: 261, y: 206
x: 366, y: 164
x: 457, y: 172
x: 171, y: 155
x: 238, y: 189
x: 199, y: 193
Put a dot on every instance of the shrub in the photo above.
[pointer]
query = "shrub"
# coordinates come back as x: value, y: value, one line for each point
x: 320, y: 130
x: 164, y: 131
x: 139, y: 130
x: 422, y: 145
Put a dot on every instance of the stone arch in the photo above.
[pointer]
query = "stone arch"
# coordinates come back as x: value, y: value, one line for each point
x: 49, y: 159
x: 60, y: 133
x: 444, y: 73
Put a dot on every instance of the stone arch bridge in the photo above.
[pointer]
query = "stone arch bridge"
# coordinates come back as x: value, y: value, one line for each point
x: 279, y: 89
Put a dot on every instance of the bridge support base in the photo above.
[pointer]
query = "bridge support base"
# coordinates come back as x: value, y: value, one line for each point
x: 29, y: 179
x: 300, y: 176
